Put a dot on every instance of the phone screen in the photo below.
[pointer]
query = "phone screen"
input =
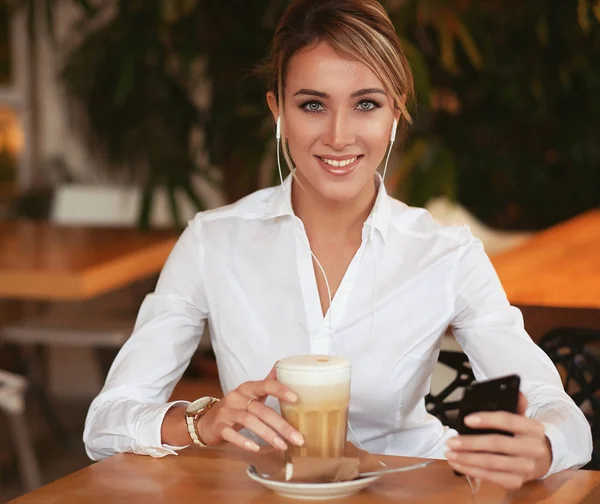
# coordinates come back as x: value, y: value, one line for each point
x: 499, y: 394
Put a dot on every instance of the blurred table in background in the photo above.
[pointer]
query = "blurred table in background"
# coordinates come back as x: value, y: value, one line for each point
x: 44, y: 262
x: 557, y: 268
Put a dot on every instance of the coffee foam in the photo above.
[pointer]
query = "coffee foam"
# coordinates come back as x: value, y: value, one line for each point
x: 313, y: 369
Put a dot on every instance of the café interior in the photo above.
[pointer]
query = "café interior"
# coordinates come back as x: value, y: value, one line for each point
x: 98, y: 179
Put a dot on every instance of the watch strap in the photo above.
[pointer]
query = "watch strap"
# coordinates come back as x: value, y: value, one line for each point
x: 191, y: 423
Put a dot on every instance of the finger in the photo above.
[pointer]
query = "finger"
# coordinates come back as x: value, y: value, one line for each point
x: 498, y: 443
x: 504, y: 421
x: 250, y: 421
x: 522, y: 404
x: 270, y: 417
x: 507, y: 480
x: 237, y: 439
x: 264, y: 388
x: 493, y: 462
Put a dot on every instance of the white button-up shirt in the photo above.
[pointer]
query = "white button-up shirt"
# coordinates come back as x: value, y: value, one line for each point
x: 246, y: 269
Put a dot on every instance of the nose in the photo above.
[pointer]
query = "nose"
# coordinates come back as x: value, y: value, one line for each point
x: 340, y: 132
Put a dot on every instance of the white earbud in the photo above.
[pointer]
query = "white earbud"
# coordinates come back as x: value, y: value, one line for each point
x: 278, y: 132
x: 389, y: 151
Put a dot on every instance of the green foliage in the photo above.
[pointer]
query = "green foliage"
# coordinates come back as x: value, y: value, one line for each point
x: 135, y: 93
x: 505, y: 116
x: 526, y: 138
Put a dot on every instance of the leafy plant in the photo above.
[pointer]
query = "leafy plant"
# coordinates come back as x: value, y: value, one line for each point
x: 509, y: 124
x: 525, y: 137
x: 503, y: 118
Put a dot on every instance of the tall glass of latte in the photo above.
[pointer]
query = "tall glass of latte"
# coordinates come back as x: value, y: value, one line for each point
x: 322, y: 383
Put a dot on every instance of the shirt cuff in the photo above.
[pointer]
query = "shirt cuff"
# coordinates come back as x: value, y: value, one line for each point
x: 559, y: 447
x: 149, y: 431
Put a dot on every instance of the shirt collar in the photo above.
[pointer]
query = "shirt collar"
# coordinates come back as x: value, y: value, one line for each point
x: 280, y: 203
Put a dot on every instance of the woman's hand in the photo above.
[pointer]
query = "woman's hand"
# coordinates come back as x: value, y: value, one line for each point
x: 504, y: 460
x: 245, y: 407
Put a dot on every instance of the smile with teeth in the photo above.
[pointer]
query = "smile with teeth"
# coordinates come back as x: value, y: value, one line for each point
x: 338, y: 164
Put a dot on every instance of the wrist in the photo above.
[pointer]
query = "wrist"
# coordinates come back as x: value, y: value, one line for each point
x: 545, y: 461
x: 171, y: 431
x: 549, y: 456
x: 194, y: 413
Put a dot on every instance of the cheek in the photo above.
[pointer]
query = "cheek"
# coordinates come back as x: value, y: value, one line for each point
x: 301, y: 136
x: 375, y: 137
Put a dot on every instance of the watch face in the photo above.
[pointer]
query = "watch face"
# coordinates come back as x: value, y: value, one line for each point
x: 198, y: 404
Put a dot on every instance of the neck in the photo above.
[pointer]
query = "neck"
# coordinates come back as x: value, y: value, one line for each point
x: 332, y: 220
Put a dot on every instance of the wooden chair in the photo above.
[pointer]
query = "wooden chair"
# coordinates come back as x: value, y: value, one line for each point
x: 576, y: 353
x: 98, y: 324
x: 444, y: 404
x: 12, y: 404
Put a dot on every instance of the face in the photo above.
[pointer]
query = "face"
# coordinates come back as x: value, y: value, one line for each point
x: 337, y: 120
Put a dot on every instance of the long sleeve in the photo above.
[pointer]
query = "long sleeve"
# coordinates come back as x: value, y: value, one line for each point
x: 492, y: 334
x: 127, y: 414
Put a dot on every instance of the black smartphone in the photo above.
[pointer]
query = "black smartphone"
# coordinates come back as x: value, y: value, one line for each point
x: 499, y: 394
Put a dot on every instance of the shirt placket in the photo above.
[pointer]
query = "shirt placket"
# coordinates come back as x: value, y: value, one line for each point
x: 322, y: 328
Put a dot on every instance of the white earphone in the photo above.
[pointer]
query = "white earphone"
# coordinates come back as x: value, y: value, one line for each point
x: 394, y: 128
x: 278, y: 132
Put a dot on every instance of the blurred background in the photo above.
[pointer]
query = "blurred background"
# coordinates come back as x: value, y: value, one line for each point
x: 137, y: 114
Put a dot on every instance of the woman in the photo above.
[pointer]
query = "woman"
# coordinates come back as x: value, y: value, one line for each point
x: 328, y: 263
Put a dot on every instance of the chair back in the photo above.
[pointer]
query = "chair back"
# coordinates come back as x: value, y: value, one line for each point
x: 441, y: 404
x: 82, y: 204
x: 576, y: 354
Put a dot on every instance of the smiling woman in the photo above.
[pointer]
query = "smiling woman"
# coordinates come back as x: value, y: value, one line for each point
x: 328, y: 263
x: 337, y: 130
x: 339, y: 83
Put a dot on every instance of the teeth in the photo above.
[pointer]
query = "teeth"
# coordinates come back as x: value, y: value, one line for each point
x: 339, y: 164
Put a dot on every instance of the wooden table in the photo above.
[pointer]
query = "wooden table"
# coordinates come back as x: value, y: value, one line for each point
x: 218, y: 475
x: 559, y: 267
x: 42, y: 261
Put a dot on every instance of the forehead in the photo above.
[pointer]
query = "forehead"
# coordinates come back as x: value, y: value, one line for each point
x: 321, y: 68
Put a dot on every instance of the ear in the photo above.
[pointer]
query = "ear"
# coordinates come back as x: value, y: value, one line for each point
x: 273, y: 105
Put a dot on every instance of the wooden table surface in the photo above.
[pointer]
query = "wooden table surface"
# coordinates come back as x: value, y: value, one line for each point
x: 558, y: 267
x: 218, y: 475
x: 42, y: 261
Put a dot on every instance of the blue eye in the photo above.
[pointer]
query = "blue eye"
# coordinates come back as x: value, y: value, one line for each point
x: 366, y: 105
x: 312, y: 106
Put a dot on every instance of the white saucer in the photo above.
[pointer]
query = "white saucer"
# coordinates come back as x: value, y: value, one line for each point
x: 314, y: 491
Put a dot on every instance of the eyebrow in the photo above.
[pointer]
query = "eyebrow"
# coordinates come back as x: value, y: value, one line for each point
x: 360, y: 92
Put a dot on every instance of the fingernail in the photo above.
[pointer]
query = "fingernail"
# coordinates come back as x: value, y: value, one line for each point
x: 453, y: 443
x: 290, y: 396
x: 252, y: 445
x: 297, y: 438
x: 450, y: 455
x: 473, y: 420
x: 280, y: 443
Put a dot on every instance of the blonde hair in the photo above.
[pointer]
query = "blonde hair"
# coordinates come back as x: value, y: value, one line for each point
x: 358, y: 29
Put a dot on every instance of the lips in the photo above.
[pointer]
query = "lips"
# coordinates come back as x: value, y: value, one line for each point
x: 339, y: 166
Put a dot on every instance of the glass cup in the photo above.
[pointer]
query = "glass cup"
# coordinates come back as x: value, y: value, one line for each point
x: 322, y: 384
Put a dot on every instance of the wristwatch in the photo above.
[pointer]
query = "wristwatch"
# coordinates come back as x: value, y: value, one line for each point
x: 193, y: 412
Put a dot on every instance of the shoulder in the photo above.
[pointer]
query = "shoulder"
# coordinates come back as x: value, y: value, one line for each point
x: 419, y: 223
x: 255, y: 206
